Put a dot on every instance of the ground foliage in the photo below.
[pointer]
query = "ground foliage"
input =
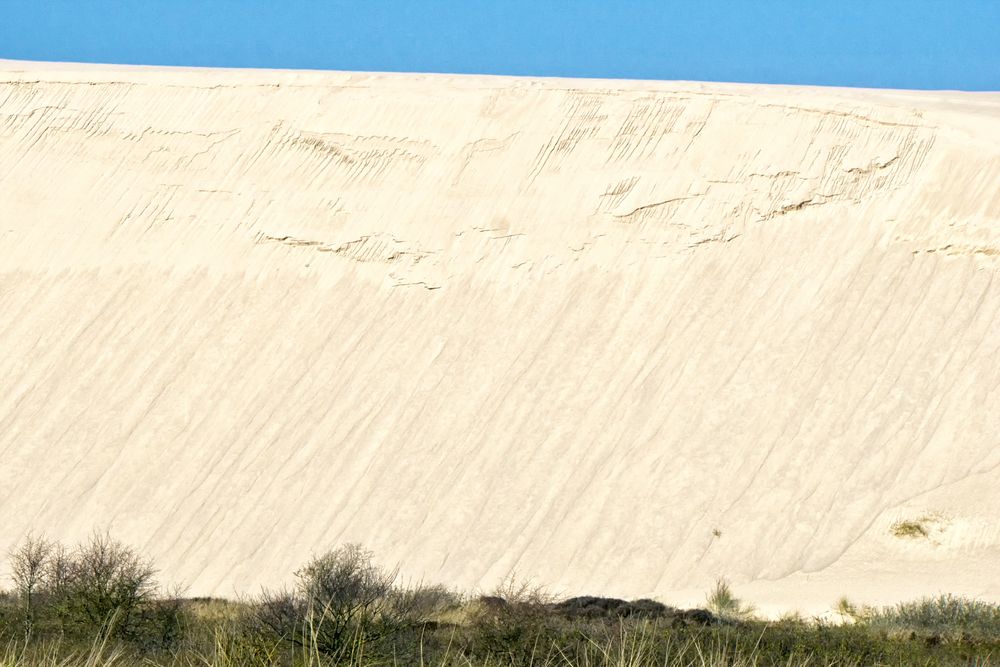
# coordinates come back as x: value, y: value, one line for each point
x: 99, y: 605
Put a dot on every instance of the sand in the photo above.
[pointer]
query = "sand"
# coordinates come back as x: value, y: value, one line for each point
x: 618, y: 337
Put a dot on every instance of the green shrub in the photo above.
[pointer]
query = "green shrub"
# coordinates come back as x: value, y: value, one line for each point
x: 846, y: 609
x: 101, y: 587
x: 341, y: 600
x: 723, y: 603
x: 946, y: 616
x: 105, y: 582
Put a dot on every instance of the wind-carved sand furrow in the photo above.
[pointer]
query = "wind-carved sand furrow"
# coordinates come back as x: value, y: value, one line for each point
x: 814, y: 200
x: 481, y: 147
x: 790, y: 191
x: 645, y: 127
x: 957, y: 250
x: 377, y: 248
x: 362, y: 158
x: 616, y: 192
x: 850, y: 115
x: 148, y: 132
x: 641, y: 212
x: 583, y: 121
x: 873, y: 167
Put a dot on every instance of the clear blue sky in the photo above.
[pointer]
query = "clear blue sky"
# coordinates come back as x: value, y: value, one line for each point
x: 879, y: 43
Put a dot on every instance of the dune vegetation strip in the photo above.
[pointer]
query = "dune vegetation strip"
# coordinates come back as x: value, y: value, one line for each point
x: 99, y: 604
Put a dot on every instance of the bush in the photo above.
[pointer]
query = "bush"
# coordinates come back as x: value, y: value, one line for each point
x: 911, y: 529
x: 341, y: 601
x: 947, y: 616
x: 600, y: 607
x: 724, y: 604
x: 105, y: 582
x: 420, y: 604
x: 102, y: 587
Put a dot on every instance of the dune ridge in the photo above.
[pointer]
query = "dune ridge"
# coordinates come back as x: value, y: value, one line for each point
x: 621, y: 337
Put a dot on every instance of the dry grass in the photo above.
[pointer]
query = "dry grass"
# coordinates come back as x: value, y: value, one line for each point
x: 909, y: 529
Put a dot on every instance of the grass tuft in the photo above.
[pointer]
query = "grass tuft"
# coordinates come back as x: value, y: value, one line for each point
x: 909, y: 529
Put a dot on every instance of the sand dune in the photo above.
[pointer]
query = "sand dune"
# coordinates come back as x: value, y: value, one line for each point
x: 620, y: 337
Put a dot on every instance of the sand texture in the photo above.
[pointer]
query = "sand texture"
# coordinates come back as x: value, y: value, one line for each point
x: 618, y: 337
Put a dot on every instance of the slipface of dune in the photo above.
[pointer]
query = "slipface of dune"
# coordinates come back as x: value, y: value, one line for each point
x: 616, y: 337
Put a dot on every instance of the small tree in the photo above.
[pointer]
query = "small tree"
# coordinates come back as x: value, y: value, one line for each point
x: 29, y: 564
x: 58, y: 570
x: 107, y: 581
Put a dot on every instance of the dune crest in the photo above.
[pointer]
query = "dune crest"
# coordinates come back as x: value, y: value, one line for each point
x: 619, y: 337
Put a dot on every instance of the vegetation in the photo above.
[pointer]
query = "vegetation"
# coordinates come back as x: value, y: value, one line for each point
x: 102, y: 588
x: 724, y: 604
x: 99, y: 605
x: 909, y: 528
x: 944, y: 618
x: 846, y: 609
x: 917, y: 528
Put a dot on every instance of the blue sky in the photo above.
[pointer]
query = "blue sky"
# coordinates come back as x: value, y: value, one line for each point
x: 876, y: 43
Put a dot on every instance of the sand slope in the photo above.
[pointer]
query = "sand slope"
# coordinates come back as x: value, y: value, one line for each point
x: 621, y: 337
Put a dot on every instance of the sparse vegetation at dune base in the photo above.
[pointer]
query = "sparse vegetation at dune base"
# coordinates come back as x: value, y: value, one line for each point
x: 100, y: 605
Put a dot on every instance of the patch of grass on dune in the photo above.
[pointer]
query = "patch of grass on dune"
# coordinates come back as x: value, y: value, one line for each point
x: 909, y: 528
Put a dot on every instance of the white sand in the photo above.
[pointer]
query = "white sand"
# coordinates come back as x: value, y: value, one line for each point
x: 481, y: 324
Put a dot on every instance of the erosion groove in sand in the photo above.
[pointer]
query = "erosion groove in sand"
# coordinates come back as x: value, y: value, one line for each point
x: 619, y: 337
